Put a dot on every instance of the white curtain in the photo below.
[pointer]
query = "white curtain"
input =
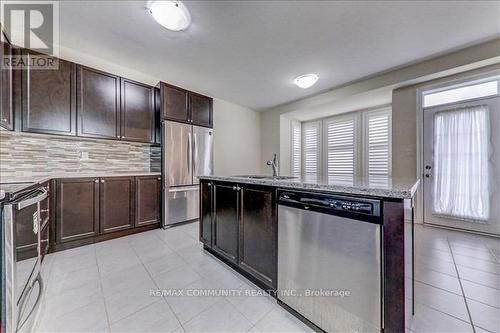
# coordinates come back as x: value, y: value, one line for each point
x: 461, y: 167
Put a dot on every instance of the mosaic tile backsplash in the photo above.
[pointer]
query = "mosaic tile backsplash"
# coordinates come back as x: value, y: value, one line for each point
x: 26, y: 154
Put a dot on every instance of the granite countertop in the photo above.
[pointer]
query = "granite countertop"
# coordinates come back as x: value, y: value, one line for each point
x: 9, y: 185
x: 385, y: 188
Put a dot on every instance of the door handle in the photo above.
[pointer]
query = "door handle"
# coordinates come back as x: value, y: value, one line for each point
x: 190, y: 154
x: 195, y: 155
x: 33, y: 200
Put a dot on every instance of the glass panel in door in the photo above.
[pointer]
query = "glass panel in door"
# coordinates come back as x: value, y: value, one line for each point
x: 462, y: 165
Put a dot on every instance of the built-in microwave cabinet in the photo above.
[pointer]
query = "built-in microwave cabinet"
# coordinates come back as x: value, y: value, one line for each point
x: 180, y: 105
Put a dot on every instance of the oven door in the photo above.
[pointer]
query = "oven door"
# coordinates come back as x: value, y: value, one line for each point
x: 22, y: 239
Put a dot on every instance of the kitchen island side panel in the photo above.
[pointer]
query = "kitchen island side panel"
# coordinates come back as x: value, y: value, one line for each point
x: 394, y: 266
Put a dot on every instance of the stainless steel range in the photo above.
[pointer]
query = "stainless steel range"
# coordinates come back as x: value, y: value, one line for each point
x: 24, y: 236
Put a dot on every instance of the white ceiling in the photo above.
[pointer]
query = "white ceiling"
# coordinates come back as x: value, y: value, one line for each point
x: 248, y: 52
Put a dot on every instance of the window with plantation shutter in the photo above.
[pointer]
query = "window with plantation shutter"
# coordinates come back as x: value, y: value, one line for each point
x: 378, y: 145
x: 341, y: 148
x: 311, y: 149
x: 296, y: 148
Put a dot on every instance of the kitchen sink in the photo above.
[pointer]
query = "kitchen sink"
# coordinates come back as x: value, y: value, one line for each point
x: 266, y: 177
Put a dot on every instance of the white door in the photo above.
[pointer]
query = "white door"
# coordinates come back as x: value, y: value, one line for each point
x: 462, y: 165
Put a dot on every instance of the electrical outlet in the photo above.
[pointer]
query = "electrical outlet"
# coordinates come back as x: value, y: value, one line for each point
x: 84, y: 155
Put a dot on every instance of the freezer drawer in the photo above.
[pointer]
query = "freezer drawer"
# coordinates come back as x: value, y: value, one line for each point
x: 182, y: 204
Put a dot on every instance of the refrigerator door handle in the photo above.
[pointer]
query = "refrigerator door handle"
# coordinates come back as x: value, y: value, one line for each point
x: 195, y: 157
x: 190, y: 154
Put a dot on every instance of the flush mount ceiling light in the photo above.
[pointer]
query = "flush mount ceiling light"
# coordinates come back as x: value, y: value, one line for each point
x: 306, y: 81
x: 171, y: 14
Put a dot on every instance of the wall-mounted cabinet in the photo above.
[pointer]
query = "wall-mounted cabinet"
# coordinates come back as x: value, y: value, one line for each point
x: 137, y: 111
x: 98, y: 104
x: 6, y: 91
x: 48, y: 98
x: 78, y: 100
x: 200, y: 110
x: 180, y: 105
x: 175, y: 102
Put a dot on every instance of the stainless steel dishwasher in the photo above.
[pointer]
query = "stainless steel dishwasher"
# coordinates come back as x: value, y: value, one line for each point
x: 329, y: 260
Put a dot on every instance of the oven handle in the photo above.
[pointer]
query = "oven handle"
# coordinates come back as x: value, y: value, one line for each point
x: 32, y: 200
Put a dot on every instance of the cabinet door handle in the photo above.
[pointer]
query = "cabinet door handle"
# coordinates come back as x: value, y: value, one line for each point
x: 96, y: 181
x: 238, y: 188
x: 159, y: 178
x: 234, y: 188
x: 102, y: 180
x: 209, y: 184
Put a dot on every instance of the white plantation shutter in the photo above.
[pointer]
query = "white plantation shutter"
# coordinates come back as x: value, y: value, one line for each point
x: 311, y: 149
x: 341, y: 148
x: 378, y: 145
x: 296, y: 148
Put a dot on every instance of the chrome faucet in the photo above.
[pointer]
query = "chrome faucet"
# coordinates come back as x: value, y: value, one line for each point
x: 274, y: 164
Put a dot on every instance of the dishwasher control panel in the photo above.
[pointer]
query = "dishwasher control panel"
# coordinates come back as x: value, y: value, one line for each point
x: 363, y: 206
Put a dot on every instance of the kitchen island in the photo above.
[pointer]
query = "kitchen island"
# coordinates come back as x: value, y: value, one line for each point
x: 311, y: 236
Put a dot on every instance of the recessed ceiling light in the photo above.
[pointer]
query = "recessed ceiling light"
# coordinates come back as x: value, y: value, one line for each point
x: 306, y: 81
x: 171, y: 14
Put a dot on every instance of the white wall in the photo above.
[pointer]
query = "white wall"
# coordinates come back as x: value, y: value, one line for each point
x: 237, y: 147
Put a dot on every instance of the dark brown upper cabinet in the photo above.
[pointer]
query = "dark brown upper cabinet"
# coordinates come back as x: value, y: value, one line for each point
x: 48, y: 98
x: 116, y: 204
x: 6, y: 104
x: 201, y: 110
x: 175, y: 102
x: 98, y: 104
x: 137, y: 112
x: 184, y: 106
x: 147, y: 200
x: 77, y: 215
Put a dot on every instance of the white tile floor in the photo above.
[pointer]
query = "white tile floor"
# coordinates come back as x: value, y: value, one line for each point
x: 106, y: 287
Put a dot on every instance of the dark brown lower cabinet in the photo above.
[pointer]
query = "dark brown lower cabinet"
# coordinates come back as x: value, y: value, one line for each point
x: 147, y: 200
x: 77, y: 215
x: 239, y: 223
x: 206, y: 207
x: 226, y: 212
x: 95, y: 209
x: 116, y: 204
x: 258, y: 233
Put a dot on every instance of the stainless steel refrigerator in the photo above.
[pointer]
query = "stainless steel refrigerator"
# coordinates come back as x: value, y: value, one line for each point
x: 187, y: 152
